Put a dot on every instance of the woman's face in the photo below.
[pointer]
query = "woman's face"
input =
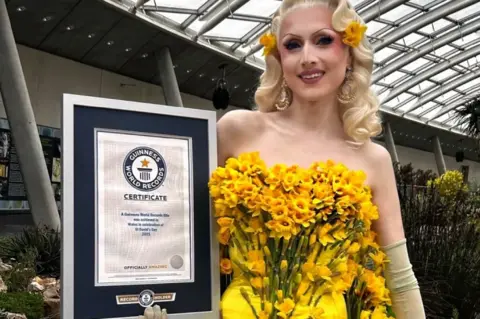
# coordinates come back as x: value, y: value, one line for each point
x: 313, y: 57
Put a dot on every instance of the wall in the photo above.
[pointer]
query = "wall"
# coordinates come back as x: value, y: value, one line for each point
x: 49, y: 76
x: 425, y: 160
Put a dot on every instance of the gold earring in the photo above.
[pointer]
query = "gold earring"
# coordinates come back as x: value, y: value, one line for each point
x: 347, y: 93
x: 285, y: 98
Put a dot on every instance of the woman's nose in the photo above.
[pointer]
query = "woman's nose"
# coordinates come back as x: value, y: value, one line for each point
x: 308, y: 56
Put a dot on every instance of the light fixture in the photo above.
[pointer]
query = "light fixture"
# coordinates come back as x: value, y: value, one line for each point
x: 236, y: 86
x: 109, y: 43
x: 175, y: 66
x: 143, y: 56
x: 21, y: 9
x: 70, y: 27
x: 91, y: 35
x: 189, y: 70
x: 128, y: 49
x: 201, y: 75
x: 221, y: 95
x: 47, y: 18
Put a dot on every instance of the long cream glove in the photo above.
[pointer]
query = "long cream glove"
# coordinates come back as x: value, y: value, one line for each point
x: 154, y: 312
x: 405, y: 292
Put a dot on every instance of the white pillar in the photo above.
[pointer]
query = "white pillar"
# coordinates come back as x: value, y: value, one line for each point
x: 14, y: 93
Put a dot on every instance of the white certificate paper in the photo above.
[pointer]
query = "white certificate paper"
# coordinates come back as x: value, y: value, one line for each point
x: 144, y: 224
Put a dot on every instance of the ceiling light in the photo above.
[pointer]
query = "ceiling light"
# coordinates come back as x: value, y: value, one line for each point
x: 47, y: 18
x: 110, y: 43
x: 201, y: 75
x: 91, y: 35
x: 128, y: 49
x: 144, y: 55
x: 175, y: 66
x: 21, y: 8
x: 236, y: 86
x: 188, y: 71
x: 70, y: 28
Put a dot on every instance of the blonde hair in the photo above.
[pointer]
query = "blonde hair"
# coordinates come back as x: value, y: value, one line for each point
x: 360, y: 118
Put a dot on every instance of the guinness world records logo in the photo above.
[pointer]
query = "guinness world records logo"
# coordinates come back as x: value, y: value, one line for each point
x: 146, y: 298
x: 144, y: 169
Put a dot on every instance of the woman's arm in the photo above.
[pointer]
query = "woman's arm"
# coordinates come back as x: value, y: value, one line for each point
x: 405, y: 292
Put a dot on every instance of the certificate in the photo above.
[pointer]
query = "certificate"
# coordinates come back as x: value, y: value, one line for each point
x: 144, y: 228
x: 137, y: 226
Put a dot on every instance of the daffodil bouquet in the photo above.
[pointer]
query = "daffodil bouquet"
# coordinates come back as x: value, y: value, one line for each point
x: 302, y: 237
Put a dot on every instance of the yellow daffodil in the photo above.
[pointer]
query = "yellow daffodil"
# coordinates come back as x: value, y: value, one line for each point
x: 269, y: 42
x: 354, y: 33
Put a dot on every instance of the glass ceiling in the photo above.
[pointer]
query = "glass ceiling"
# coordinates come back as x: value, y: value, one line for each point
x: 427, y: 52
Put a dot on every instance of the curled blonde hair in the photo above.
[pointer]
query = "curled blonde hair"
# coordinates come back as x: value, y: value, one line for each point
x: 360, y: 118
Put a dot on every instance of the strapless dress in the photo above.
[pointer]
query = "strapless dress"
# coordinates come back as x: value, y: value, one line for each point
x: 298, y: 242
x: 234, y: 305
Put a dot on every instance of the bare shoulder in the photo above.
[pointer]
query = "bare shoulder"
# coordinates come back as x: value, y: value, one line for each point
x: 384, y: 187
x: 379, y: 163
x: 235, y: 128
x: 377, y: 154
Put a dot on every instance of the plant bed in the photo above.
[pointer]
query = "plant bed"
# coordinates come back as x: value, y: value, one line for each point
x: 30, y: 272
x: 29, y: 304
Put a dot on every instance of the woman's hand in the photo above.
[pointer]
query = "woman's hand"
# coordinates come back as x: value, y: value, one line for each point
x: 154, y: 312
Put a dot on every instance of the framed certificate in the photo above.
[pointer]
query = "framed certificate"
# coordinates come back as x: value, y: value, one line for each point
x: 137, y: 226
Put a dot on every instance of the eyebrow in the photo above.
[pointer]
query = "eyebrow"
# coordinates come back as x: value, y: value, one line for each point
x: 318, y: 31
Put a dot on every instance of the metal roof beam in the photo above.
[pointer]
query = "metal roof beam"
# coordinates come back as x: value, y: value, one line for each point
x: 445, y: 88
x: 228, y: 8
x: 379, y: 9
x: 455, y: 105
x: 453, y: 99
x: 150, y: 8
x: 425, y: 75
x: 251, y: 36
x: 425, y: 49
x: 201, y: 11
x: 422, y: 21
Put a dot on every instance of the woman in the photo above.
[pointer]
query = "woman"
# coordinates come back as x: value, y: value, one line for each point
x: 315, y: 104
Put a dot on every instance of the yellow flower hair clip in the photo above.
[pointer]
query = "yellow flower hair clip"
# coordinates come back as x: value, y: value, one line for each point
x: 354, y: 33
x: 269, y: 42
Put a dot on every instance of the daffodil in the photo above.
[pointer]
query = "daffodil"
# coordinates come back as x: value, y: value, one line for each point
x: 354, y: 33
x: 269, y: 42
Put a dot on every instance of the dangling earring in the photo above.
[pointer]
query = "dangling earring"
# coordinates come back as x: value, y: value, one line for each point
x: 285, y: 98
x: 347, y: 93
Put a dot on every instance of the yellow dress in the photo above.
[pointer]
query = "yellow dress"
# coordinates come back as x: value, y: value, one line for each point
x: 299, y: 241
x: 234, y: 305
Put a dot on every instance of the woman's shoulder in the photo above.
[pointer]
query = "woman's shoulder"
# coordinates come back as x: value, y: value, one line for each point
x: 379, y: 162
x: 239, y: 122
x: 235, y: 128
x: 376, y: 153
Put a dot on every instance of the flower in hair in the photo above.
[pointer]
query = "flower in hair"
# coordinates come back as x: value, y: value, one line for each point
x: 269, y: 42
x: 353, y: 34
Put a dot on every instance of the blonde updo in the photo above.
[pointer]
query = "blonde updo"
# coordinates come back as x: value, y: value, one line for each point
x: 360, y: 118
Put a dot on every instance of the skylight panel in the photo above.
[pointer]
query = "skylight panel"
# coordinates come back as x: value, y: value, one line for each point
x: 184, y: 4
x: 264, y: 8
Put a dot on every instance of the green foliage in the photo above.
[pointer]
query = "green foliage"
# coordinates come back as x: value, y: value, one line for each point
x: 29, y: 304
x: 42, y: 242
x: 19, y: 277
x: 444, y: 249
x: 407, y: 175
